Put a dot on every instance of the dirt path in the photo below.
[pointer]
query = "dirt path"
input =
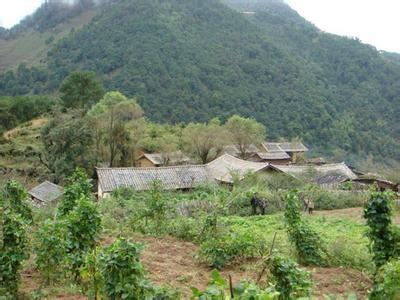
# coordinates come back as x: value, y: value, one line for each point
x: 34, y: 123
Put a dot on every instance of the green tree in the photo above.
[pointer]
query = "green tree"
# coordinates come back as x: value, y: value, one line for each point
x: 81, y: 90
x: 16, y: 196
x: 309, y: 246
x: 83, y: 227
x: 50, y: 250
x: 203, y: 141
x: 13, y: 239
x: 79, y: 185
x: 378, y: 213
x: 122, y: 271
x: 113, y: 113
x: 244, y: 132
x: 67, y: 140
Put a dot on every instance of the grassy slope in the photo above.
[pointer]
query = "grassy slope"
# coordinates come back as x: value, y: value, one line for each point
x: 31, y: 47
x: 18, y: 153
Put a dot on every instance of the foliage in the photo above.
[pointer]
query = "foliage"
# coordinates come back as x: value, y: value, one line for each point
x: 83, y: 227
x: 387, y: 281
x: 288, y: 74
x: 17, y: 110
x: 50, y: 250
x: 67, y: 140
x: 378, y: 212
x: 290, y: 280
x: 79, y: 185
x: 111, y: 115
x: 16, y: 197
x: 218, y: 289
x: 244, y: 132
x: 13, y: 238
x: 204, y: 141
x: 124, y: 275
x: 81, y: 90
x: 308, y: 244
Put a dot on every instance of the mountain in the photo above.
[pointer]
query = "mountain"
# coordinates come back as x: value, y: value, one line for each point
x: 191, y: 60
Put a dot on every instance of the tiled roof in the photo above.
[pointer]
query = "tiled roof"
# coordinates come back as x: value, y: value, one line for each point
x: 286, y: 147
x: 176, y: 177
x: 173, y: 158
x: 273, y: 155
x: 325, y: 174
x: 234, y: 149
x: 46, y: 192
x: 223, y: 167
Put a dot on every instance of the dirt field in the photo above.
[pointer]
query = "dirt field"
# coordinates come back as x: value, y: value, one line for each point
x: 173, y: 262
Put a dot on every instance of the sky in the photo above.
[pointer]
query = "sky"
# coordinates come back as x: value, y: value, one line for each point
x: 375, y: 22
x: 372, y: 21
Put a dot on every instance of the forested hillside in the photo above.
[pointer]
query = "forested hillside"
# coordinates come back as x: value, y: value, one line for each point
x: 193, y: 60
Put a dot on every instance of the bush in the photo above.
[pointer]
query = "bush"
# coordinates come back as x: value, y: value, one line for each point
x: 378, y: 212
x: 124, y: 275
x: 50, y: 250
x: 307, y: 242
x: 290, y: 281
x: 387, y: 281
x: 219, y: 289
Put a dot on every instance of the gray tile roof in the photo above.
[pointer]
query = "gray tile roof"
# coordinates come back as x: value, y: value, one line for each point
x: 273, y: 155
x: 222, y: 168
x: 174, y: 158
x: 286, y: 147
x: 176, y: 177
x: 325, y: 174
x: 46, y: 192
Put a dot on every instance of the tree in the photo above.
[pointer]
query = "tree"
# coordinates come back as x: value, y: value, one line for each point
x: 204, y: 141
x: 244, y: 132
x: 112, y: 114
x: 378, y: 212
x: 79, y: 184
x: 67, y: 140
x: 13, y: 238
x: 83, y: 227
x: 81, y: 90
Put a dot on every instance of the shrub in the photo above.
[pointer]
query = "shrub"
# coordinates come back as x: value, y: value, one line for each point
x: 124, y: 275
x: 378, y: 213
x: 219, y: 289
x: 307, y: 242
x: 79, y: 185
x: 290, y: 281
x: 387, y: 281
x: 50, y: 249
x: 13, y: 250
x: 83, y: 226
x: 16, y: 197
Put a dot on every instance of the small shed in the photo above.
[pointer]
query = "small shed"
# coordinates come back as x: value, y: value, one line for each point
x: 46, y: 193
x: 149, y: 160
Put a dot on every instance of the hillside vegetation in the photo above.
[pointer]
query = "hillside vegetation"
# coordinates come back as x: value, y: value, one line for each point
x: 190, y: 60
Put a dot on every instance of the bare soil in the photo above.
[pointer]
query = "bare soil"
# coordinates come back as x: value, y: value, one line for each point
x: 173, y: 262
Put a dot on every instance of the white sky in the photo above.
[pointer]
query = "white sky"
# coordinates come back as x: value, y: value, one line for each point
x: 374, y: 22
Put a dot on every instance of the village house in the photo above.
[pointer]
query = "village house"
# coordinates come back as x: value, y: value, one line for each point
x: 224, y: 169
x: 148, y: 160
x: 329, y: 176
x: 274, y: 153
x: 291, y: 148
x: 45, y: 193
